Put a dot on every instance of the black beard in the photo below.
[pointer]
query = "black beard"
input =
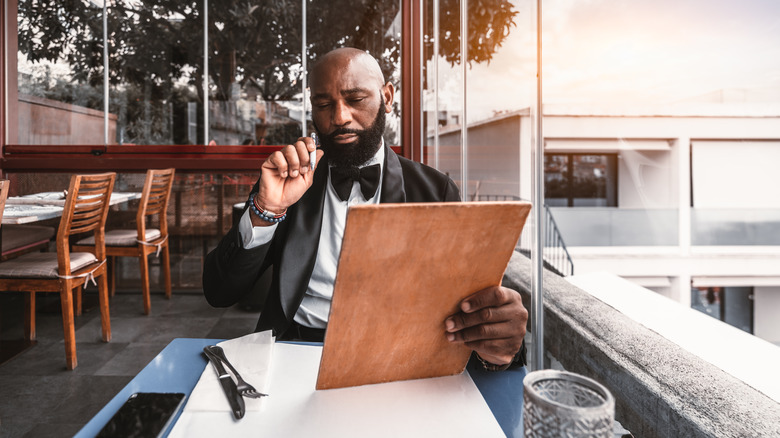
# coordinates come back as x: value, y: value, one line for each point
x: 359, y: 151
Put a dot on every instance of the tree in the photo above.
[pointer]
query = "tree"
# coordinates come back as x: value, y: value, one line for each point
x: 156, y: 45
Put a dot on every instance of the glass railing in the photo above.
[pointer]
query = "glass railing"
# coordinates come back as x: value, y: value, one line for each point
x: 606, y: 226
x: 727, y: 227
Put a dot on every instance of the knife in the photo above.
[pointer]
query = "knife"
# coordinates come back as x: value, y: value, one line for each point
x: 228, y: 385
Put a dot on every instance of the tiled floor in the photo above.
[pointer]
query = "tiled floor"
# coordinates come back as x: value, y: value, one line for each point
x: 40, y: 398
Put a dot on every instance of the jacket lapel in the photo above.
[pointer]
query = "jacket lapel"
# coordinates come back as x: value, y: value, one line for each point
x: 303, y: 238
x: 392, y: 179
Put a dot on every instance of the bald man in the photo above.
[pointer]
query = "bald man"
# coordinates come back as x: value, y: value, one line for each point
x: 293, y: 222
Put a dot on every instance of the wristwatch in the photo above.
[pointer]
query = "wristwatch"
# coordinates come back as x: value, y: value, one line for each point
x: 518, y: 361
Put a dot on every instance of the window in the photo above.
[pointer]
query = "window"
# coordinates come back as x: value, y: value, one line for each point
x: 580, y: 180
x: 158, y: 85
x: 733, y: 305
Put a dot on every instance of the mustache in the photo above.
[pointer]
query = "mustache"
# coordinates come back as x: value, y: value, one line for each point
x: 341, y: 131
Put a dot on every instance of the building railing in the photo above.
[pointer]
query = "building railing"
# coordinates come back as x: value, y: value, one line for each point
x: 556, y: 256
x: 660, y: 388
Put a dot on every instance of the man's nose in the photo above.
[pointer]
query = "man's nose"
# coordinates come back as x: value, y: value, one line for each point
x: 341, y: 114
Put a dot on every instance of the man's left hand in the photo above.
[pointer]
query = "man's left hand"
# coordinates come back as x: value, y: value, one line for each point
x: 491, y: 322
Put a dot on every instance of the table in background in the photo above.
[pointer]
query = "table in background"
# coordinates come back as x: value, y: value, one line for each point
x: 27, y: 213
x: 179, y: 366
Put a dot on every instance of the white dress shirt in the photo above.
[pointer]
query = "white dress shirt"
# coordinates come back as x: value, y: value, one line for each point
x: 315, y: 307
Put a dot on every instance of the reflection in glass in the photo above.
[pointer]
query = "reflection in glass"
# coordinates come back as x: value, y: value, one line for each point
x: 370, y: 25
x: 155, y: 68
x: 732, y: 305
x: 60, y: 73
x: 580, y: 180
x: 494, y: 48
x: 256, y: 65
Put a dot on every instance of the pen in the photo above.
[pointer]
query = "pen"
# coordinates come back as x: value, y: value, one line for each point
x: 313, y: 154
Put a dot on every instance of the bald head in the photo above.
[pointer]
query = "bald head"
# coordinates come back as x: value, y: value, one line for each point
x: 344, y: 60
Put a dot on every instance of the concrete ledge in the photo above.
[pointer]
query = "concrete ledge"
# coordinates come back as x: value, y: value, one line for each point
x: 660, y: 389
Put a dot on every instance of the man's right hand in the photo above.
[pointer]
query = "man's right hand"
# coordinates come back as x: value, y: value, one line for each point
x: 286, y: 175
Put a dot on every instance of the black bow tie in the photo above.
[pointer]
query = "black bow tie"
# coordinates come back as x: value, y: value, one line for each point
x: 341, y: 179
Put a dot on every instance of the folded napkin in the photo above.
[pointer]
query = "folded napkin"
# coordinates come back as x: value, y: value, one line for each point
x: 251, y: 356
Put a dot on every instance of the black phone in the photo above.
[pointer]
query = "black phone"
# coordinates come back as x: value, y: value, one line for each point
x: 144, y: 414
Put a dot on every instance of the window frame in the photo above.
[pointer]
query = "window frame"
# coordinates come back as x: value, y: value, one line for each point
x: 612, y: 166
x: 188, y: 158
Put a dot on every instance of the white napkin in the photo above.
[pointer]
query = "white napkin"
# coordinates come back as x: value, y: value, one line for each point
x: 251, y: 356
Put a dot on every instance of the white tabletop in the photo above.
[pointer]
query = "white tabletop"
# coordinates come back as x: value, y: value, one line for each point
x: 27, y: 213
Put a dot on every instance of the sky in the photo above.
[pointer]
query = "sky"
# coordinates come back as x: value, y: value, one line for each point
x: 620, y: 52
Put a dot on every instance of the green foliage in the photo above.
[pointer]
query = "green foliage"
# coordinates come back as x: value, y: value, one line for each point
x: 160, y: 42
x: 155, y: 50
x: 489, y: 22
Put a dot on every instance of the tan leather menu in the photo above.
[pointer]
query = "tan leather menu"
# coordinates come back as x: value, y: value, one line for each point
x: 403, y: 269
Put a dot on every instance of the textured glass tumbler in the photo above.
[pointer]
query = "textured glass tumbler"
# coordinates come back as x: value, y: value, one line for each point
x: 564, y: 404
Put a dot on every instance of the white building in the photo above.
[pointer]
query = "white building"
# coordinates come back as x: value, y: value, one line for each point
x: 683, y: 200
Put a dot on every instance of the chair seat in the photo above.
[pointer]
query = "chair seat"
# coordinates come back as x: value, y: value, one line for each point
x: 43, y: 265
x: 19, y: 236
x: 123, y: 237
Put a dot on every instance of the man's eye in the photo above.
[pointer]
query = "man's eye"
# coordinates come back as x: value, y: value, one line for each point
x: 356, y: 99
x: 322, y: 105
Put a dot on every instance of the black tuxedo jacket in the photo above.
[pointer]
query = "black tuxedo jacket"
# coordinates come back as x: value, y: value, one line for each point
x: 230, y: 271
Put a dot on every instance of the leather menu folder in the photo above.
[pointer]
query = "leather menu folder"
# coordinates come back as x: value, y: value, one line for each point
x: 403, y: 269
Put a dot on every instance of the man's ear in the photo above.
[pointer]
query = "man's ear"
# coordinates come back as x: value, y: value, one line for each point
x: 388, y: 92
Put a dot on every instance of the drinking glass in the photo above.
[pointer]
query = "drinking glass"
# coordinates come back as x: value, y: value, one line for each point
x: 565, y: 404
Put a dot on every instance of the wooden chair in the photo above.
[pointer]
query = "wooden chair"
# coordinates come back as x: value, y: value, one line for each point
x: 143, y: 241
x: 86, y: 209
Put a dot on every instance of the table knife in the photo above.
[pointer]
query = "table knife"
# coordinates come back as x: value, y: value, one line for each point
x: 228, y: 385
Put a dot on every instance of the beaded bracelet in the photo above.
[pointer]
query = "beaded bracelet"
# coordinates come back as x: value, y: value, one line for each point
x: 264, y: 214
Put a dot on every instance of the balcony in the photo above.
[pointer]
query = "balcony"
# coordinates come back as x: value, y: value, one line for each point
x: 675, y: 374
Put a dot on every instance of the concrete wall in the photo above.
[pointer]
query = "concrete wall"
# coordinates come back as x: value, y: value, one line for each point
x: 48, y: 122
x: 660, y: 389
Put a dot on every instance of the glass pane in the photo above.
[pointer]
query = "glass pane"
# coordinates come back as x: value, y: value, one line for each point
x: 556, y: 180
x: 156, y: 66
x: 736, y: 204
x: 685, y: 94
x: 499, y: 89
x: 60, y: 73
x: 370, y: 25
x: 444, y: 89
x: 255, y: 72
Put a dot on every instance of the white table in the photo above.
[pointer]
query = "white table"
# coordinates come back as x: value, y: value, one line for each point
x: 19, y: 210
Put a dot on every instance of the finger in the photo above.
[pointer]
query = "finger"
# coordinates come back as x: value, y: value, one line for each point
x: 290, y: 153
x: 303, y: 146
x: 309, y: 176
x: 462, y: 320
x: 318, y: 154
x: 276, y: 162
x: 489, y: 297
x: 493, y: 332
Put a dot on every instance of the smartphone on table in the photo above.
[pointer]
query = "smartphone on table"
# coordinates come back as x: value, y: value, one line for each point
x: 144, y: 414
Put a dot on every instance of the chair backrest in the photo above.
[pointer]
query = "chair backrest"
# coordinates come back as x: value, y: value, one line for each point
x: 4, y: 184
x: 86, y: 209
x: 154, y: 199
